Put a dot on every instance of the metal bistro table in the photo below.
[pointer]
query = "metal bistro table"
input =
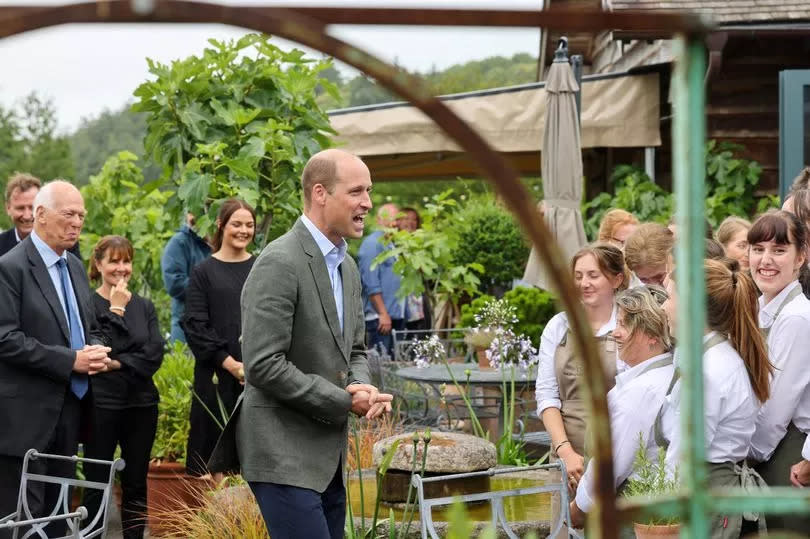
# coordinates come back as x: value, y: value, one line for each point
x: 485, y: 388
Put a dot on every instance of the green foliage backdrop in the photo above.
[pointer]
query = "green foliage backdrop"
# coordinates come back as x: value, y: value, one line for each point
x: 238, y: 121
x: 118, y: 201
x: 489, y: 236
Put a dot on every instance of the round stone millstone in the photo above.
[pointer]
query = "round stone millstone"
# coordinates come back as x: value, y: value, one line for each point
x: 447, y: 452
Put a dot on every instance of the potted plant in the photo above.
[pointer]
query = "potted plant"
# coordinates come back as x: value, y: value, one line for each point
x: 495, y: 315
x: 168, y: 485
x: 652, y: 479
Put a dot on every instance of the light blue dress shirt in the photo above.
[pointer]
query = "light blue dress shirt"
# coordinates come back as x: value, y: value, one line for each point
x: 49, y: 257
x: 333, y: 256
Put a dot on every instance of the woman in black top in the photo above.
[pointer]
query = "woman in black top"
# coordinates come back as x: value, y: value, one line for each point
x: 125, y: 398
x: 212, y: 324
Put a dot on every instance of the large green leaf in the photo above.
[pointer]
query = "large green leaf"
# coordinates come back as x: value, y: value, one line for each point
x: 194, y: 189
x: 243, y: 167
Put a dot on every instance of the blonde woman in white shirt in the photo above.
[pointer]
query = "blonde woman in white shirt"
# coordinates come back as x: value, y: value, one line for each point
x: 778, y: 243
x: 645, y: 345
x: 599, y: 273
x: 736, y: 377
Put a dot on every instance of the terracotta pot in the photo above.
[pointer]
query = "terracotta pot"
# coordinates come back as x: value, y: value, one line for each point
x: 170, y: 489
x: 483, y: 362
x: 657, y: 531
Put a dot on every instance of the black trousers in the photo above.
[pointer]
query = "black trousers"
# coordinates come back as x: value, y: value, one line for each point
x: 134, y: 430
x: 43, y: 497
x: 293, y: 512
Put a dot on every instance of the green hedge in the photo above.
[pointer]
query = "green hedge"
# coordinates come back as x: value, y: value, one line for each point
x: 535, y: 307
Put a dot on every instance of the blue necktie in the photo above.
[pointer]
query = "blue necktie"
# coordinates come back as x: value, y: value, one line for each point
x: 78, y: 382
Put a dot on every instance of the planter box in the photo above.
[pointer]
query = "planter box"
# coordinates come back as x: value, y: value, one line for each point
x: 170, y: 489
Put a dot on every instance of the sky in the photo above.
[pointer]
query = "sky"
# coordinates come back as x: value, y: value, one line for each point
x: 87, y: 68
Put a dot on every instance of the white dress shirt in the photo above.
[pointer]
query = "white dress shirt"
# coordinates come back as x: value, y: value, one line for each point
x: 788, y: 346
x: 50, y: 258
x: 729, y: 408
x: 333, y: 256
x: 633, y: 405
x: 547, y: 392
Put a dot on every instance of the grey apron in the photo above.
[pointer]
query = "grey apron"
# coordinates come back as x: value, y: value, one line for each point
x: 776, y: 470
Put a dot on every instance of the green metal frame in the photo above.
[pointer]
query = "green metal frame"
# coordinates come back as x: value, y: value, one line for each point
x: 791, y: 125
x: 696, y: 502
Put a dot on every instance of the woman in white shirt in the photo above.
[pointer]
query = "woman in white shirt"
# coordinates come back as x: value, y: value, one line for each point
x: 778, y: 243
x: 736, y: 375
x: 599, y: 273
x: 644, y: 343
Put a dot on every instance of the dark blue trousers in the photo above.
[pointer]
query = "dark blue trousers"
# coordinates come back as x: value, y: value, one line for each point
x: 294, y: 512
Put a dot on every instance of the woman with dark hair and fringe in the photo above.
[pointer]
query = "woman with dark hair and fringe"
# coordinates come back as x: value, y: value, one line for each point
x: 645, y: 345
x: 125, y: 400
x: 778, y: 242
x: 736, y: 382
x: 212, y: 324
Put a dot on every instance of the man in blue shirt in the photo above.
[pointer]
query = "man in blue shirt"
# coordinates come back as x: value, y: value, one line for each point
x: 383, y: 310
x: 184, y: 251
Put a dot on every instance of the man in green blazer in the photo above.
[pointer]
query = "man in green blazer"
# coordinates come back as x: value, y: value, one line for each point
x: 303, y: 347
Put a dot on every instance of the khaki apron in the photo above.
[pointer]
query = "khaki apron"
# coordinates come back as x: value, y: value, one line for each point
x: 723, y: 474
x: 569, y: 370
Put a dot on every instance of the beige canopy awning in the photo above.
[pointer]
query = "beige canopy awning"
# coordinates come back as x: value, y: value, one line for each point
x: 398, y: 141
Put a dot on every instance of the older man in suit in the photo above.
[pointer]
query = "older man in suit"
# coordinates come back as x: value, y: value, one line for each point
x: 46, y: 319
x: 304, y: 355
x: 21, y: 190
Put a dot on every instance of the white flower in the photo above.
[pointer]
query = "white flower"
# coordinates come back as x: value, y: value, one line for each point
x: 428, y: 351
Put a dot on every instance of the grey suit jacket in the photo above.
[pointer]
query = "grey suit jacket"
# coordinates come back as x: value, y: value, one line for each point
x: 291, y: 424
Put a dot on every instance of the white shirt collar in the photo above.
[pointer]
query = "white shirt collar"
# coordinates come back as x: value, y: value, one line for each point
x: 17, y: 235
x: 610, y: 325
x: 767, y: 313
x: 627, y: 376
x: 324, y: 244
x: 49, y: 256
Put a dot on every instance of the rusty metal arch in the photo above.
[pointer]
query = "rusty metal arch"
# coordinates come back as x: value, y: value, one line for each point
x: 308, y: 26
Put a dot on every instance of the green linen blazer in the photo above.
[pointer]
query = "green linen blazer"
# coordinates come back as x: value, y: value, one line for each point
x: 291, y: 424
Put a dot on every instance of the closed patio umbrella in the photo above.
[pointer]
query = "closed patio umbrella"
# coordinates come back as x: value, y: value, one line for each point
x: 561, y: 167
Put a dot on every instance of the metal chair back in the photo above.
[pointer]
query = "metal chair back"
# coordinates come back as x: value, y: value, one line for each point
x: 23, y: 521
x: 495, y: 499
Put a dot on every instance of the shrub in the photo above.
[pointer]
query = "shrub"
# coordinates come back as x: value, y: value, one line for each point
x: 489, y: 236
x: 730, y: 184
x: 534, y: 308
x: 173, y: 381
x: 634, y: 192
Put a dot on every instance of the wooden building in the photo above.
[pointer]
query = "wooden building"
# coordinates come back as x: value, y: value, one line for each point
x: 754, y: 41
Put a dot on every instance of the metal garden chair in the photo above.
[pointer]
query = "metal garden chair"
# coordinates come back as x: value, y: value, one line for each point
x: 22, y: 521
x: 495, y: 499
